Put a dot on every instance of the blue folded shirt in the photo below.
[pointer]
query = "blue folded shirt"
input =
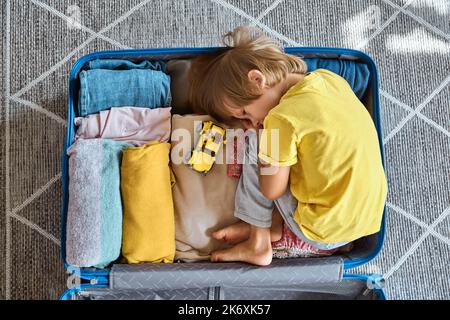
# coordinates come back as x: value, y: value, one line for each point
x: 120, y: 64
x: 357, y: 74
x: 117, y: 83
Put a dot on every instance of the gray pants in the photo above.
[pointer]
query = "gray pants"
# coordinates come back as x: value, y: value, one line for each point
x: 252, y: 207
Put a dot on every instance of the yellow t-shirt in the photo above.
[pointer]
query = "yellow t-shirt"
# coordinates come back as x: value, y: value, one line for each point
x: 328, y: 138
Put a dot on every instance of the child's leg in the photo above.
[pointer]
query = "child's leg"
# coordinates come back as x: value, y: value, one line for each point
x: 240, y: 231
x: 252, y: 235
x: 250, y: 205
x: 256, y: 250
x: 276, y: 231
x: 286, y: 206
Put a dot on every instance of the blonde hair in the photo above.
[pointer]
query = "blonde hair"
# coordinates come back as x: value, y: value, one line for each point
x: 223, y: 75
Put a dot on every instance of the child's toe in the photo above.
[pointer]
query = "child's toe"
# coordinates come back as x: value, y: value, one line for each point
x: 219, y: 235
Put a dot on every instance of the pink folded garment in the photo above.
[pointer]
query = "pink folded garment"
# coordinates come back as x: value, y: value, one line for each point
x: 134, y: 125
x: 290, y: 246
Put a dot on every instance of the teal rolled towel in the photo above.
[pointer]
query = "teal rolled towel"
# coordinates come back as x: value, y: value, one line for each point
x: 94, y: 217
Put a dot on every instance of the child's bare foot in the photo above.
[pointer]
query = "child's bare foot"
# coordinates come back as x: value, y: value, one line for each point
x: 256, y: 250
x: 240, y: 231
x: 245, y: 252
x: 234, y: 233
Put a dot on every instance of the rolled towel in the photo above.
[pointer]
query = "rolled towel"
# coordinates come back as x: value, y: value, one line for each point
x: 137, y: 126
x: 94, y: 217
x: 148, y: 215
x: 101, y: 89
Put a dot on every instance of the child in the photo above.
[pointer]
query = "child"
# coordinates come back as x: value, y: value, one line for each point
x: 318, y: 157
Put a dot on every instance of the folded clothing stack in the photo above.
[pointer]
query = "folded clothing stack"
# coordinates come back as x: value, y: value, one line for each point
x: 120, y: 151
x: 94, y: 220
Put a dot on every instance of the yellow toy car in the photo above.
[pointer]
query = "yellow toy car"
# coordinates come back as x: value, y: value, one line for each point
x: 210, y: 138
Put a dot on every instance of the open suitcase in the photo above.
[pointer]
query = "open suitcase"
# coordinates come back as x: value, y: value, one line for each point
x: 302, y: 278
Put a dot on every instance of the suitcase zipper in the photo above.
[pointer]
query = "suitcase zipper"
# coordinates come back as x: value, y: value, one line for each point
x: 100, y: 281
x: 374, y: 282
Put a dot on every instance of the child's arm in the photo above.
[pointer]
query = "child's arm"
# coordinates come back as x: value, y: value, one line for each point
x: 274, y: 171
x: 273, y: 180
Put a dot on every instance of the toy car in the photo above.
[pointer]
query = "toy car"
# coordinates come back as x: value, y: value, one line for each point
x: 210, y: 138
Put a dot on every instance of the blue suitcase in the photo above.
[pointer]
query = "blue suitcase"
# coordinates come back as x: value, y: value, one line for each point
x: 302, y: 278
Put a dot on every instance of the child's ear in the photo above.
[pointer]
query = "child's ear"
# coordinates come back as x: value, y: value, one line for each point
x: 257, y: 78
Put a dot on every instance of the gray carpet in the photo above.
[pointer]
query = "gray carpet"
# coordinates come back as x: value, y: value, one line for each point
x: 410, y: 41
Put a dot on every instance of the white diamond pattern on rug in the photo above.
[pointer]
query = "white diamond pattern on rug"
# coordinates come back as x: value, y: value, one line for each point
x: 417, y: 170
x: 400, y: 2
x: 413, y: 58
x: 252, y: 8
x: 391, y: 115
x: 41, y: 207
x: 93, y: 14
x: 438, y: 109
x: 339, y: 21
x: 45, y: 277
x: 170, y: 28
x: 444, y: 227
x: 393, y: 249
x: 38, y: 45
x: 424, y: 275
x: 2, y: 153
x: 398, y: 58
x: 95, y: 46
x: 435, y: 12
x: 36, y: 144
x: 43, y: 93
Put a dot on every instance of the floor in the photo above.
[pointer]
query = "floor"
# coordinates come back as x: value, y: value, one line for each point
x: 409, y: 40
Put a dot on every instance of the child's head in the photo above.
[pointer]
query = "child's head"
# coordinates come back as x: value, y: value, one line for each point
x: 240, y: 81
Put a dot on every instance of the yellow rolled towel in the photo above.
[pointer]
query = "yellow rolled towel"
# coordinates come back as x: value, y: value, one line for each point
x: 148, y: 215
